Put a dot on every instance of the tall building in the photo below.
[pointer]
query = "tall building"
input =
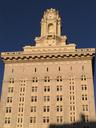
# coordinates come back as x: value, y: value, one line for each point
x: 49, y: 83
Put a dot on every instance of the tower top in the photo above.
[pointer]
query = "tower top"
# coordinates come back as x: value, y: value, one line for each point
x: 51, y: 30
x: 51, y: 23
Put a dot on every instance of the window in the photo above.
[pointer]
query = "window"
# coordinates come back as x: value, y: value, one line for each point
x: 72, y: 108
x: 84, y: 97
x: 83, y: 67
x: 10, y: 89
x: 59, y: 97
x: 47, y: 69
x: 59, y: 108
x: 46, y: 98
x: 71, y: 68
x: 59, y: 119
x: 46, y: 88
x: 22, y: 89
x: 84, y: 87
x: 71, y: 79
x: 85, y: 118
x: 8, y: 109
x: 83, y: 78
x: 11, y: 80
x: 71, y: 87
x: 46, y: 119
x: 33, y: 98
x: 46, y: 108
x: 7, y: 120
x: 46, y: 79
x: 22, y: 81
x: 33, y: 108
x: 72, y: 97
x: 34, y: 79
x: 12, y: 70
x: 59, y: 87
x: 85, y: 107
x: 72, y: 118
x: 33, y: 120
x: 34, y: 88
x: 59, y: 78
x: 20, y: 109
x: 20, y: 120
x: 50, y: 28
x: 21, y: 99
x: 9, y: 99
x: 35, y: 70
x: 59, y: 68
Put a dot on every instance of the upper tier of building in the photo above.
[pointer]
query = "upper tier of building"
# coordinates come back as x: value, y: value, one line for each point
x: 50, y: 44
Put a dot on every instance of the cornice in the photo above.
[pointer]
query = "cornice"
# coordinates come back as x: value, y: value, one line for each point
x: 44, y: 55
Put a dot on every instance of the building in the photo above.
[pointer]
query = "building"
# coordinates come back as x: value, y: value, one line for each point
x: 50, y: 83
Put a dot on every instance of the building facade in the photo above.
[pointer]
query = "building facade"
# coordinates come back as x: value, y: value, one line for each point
x: 49, y: 83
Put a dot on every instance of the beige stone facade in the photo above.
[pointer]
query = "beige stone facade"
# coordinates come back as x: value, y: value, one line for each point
x: 50, y: 83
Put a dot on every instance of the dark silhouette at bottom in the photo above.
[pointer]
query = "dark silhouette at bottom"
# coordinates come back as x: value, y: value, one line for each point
x: 81, y: 124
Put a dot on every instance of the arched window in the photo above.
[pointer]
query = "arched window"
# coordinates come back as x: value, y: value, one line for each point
x: 50, y: 28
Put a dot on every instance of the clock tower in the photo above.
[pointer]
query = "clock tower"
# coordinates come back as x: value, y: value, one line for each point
x: 51, y: 30
x: 51, y: 23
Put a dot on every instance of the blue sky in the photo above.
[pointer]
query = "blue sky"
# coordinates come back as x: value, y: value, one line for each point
x: 20, y: 23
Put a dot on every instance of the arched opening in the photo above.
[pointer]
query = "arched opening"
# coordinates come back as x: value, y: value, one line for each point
x: 50, y: 28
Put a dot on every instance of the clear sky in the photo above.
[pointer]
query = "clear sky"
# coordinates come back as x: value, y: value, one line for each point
x: 20, y: 22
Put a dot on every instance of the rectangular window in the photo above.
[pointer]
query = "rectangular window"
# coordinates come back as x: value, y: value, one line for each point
x: 46, y: 98
x: 85, y: 119
x: 46, y: 79
x: 84, y: 87
x: 59, y: 78
x: 72, y: 108
x: 59, y: 119
x: 33, y: 120
x: 59, y: 108
x: 33, y: 98
x: 7, y: 120
x: 21, y: 99
x: 35, y: 70
x: 72, y: 118
x: 11, y: 80
x: 72, y: 97
x: 34, y: 79
x: 46, y: 119
x: 47, y: 69
x: 46, y: 88
x: 20, y: 109
x: 34, y: 88
x: 59, y: 87
x: 9, y: 99
x: 46, y: 108
x: 8, y: 109
x: 22, y: 89
x: 20, y: 120
x: 84, y: 97
x: 85, y: 107
x: 83, y: 77
x: 33, y: 108
x: 72, y: 87
x: 59, y: 98
x: 10, y: 89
